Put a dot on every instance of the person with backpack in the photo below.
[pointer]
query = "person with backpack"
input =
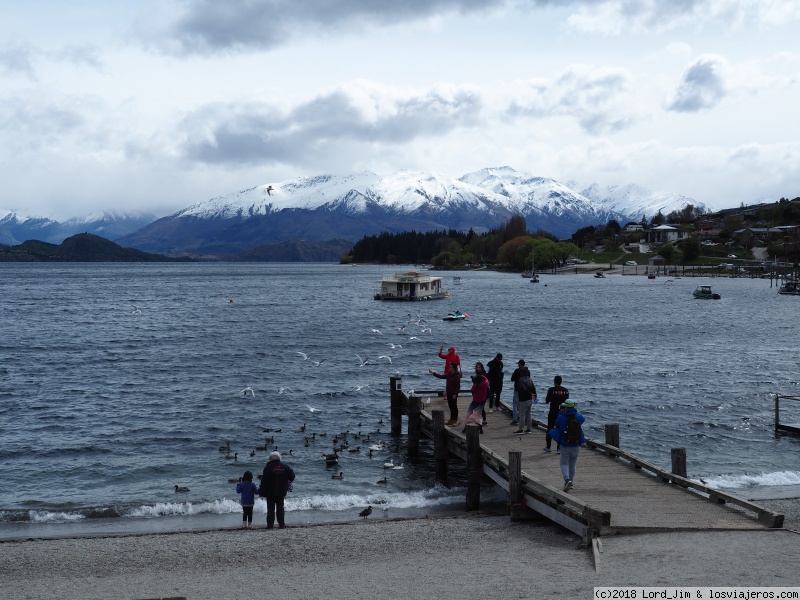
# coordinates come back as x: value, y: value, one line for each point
x: 568, y: 433
x: 526, y: 392
x: 495, y: 381
x: 556, y: 396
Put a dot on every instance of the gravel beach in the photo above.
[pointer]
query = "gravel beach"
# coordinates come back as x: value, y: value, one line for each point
x: 474, y: 555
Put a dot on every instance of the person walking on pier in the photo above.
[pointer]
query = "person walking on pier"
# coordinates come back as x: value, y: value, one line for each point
x: 450, y: 358
x: 556, y: 396
x: 526, y: 392
x: 274, y: 485
x: 495, y: 381
x: 451, y: 390
x: 480, y: 390
x: 518, y: 372
x: 568, y: 433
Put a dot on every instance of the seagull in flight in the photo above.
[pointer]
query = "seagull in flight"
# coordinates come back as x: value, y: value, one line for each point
x: 378, y: 331
x: 285, y: 389
x: 312, y: 409
x: 427, y: 330
x: 361, y: 387
x: 389, y: 358
x: 269, y: 190
x: 136, y: 309
x: 364, y: 361
x: 304, y: 355
x: 492, y: 321
x: 248, y: 391
x: 413, y: 337
x: 393, y: 346
x: 317, y: 363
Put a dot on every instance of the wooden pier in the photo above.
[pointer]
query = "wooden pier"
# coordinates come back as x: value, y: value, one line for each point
x: 614, y: 491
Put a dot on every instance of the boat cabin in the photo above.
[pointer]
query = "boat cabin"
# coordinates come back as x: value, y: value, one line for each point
x: 410, y: 285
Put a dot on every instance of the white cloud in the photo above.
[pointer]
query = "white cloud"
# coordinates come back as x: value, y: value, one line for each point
x: 702, y: 85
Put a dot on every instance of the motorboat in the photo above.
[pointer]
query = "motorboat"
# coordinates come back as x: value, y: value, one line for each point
x: 703, y: 292
x: 410, y: 285
x: 455, y: 316
x: 790, y: 288
x: 651, y: 275
x: 600, y: 275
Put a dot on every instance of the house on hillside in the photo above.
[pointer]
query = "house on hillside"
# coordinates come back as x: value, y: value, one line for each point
x: 665, y: 233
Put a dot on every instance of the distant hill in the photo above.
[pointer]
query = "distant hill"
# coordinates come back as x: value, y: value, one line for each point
x: 294, y: 251
x: 84, y: 247
x: 15, y: 228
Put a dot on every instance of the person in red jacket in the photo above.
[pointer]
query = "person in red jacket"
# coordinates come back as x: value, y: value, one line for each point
x: 452, y: 388
x: 450, y: 358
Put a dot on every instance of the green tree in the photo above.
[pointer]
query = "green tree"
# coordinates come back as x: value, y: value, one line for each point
x: 691, y: 248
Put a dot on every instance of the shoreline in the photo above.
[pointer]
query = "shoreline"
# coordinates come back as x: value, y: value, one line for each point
x: 470, y: 555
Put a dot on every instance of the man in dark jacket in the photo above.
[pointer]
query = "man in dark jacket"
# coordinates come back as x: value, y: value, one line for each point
x: 556, y: 396
x: 274, y: 485
x: 495, y: 376
x: 518, y: 372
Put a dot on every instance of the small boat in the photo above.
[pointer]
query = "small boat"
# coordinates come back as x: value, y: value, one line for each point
x: 790, y: 288
x: 455, y: 316
x: 457, y: 280
x: 703, y: 292
x: 600, y: 275
x: 651, y: 275
x: 534, y: 276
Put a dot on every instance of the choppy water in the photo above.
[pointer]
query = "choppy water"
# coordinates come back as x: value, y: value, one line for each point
x: 118, y: 382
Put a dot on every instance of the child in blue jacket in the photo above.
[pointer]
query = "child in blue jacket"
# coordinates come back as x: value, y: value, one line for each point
x: 248, y: 491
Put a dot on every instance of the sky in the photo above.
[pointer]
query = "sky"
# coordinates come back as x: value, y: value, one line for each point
x: 152, y: 106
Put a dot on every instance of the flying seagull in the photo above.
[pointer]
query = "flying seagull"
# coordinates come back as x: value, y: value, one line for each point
x: 304, y: 355
x: 269, y: 190
x: 248, y: 391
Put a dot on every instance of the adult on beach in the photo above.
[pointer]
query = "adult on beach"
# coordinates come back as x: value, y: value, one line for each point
x: 451, y: 390
x: 556, y: 396
x: 450, y: 358
x: 274, y: 485
x: 479, y: 390
x: 495, y: 381
x: 569, y: 434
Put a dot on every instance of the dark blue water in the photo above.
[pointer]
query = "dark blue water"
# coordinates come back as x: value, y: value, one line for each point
x: 118, y: 382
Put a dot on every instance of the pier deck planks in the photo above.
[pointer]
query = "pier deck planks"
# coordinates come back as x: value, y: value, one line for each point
x: 637, y: 500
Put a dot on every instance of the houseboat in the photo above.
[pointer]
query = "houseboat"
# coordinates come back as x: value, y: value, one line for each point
x: 410, y: 285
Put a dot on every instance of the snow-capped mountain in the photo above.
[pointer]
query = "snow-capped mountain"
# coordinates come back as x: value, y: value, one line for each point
x: 635, y: 201
x: 349, y: 207
x: 16, y: 228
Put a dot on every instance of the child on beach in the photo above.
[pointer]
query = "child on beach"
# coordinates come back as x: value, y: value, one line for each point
x: 248, y: 491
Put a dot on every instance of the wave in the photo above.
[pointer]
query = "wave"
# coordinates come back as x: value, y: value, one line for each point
x: 436, y: 496
x: 757, y: 480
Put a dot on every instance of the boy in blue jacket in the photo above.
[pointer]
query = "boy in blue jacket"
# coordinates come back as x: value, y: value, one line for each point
x: 568, y: 433
x: 248, y: 491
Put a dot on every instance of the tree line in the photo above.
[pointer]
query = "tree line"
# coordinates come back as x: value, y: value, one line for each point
x: 510, y: 245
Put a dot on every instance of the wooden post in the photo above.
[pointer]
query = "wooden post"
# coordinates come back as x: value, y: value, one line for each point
x: 679, y: 461
x: 612, y: 435
x: 474, y: 468
x: 777, y: 412
x: 397, y: 398
x: 414, y: 425
x: 440, y: 446
x: 516, y: 504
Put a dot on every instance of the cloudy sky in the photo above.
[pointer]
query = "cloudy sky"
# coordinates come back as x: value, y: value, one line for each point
x: 155, y: 105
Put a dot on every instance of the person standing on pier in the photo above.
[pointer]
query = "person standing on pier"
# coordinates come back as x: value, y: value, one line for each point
x: 518, y: 372
x: 274, y: 485
x: 480, y: 390
x: 450, y: 358
x: 451, y: 390
x: 526, y: 392
x: 568, y: 433
x: 495, y: 381
x: 556, y: 396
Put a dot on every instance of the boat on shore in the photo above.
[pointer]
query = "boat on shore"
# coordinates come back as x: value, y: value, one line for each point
x: 410, y: 286
x: 703, y: 292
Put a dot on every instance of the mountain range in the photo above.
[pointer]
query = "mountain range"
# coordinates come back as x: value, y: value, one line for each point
x: 346, y: 208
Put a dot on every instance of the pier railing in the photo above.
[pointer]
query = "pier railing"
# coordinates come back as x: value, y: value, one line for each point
x: 793, y: 427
